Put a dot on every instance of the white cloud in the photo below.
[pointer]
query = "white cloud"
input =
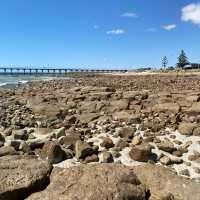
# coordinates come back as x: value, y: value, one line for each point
x: 116, y: 32
x: 169, y: 27
x: 191, y: 13
x: 129, y: 14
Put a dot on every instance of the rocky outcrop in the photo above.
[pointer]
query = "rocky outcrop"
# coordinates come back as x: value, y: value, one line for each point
x: 165, y: 184
x: 91, y: 182
x: 22, y: 175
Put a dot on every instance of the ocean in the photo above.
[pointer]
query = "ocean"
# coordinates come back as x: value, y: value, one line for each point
x: 12, y: 80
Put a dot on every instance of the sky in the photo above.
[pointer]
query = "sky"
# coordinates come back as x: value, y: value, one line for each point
x: 118, y: 34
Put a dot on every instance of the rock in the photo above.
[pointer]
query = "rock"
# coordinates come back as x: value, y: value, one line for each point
x: 107, y: 157
x: 92, y: 158
x: 119, y: 105
x: 107, y: 143
x: 59, y: 133
x: 177, y: 153
x: 126, y: 132
x: 2, y: 139
x: 165, y: 160
x: 117, y: 182
x: 186, y: 128
x: 194, y: 110
x: 7, y: 132
x: 88, y: 117
x: 167, y: 107
x: 196, y: 170
x: 184, y: 172
x: 122, y: 144
x: 196, y: 131
x: 194, y: 156
x: 70, y: 140
x: 52, y: 152
x: 7, y: 150
x: 20, y: 135
x: 166, y: 146
x: 121, y: 116
x: 141, y: 153
x: 36, y: 143
x: 83, y: 150
x: 20, y: 176
x: 161, y: 182
x: 137, y: 140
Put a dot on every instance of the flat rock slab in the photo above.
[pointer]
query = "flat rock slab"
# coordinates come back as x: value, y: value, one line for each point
x: 115, y: 181
x: 92, y: 182
x: 22, y: 175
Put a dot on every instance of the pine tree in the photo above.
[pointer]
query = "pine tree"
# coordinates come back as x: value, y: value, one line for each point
x: 164, y: 62
x: 182, y: 60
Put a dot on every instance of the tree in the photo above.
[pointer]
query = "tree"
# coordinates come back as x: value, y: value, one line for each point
x: 164, y: 62
x: 182, y: 60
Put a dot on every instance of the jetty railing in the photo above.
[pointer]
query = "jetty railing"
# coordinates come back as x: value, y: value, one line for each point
x: 40, y: 71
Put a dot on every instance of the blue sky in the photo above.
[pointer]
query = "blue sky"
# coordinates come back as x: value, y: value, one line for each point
x: 98, y: 33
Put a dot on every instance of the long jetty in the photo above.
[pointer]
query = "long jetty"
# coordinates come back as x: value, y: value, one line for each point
x: 56, y: 71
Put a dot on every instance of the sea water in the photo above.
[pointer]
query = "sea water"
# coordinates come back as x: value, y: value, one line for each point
x: 6, y: 80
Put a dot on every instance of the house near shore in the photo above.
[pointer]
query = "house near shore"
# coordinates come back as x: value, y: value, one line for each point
x: 192, y: 66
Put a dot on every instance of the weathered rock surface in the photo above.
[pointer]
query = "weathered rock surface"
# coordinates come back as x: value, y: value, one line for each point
x: 163, y: 183
x: 20, y: 176
x: 91, y: 182
x: 141, y: 153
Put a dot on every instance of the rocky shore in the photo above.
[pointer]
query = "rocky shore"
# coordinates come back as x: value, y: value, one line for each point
x: 102, y: 137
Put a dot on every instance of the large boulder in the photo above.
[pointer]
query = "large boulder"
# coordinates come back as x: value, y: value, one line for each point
x: 165, y: 184
x: 53, y: 152
x: 91, y: 182
x: 20, y: 176
x: 141, y: 153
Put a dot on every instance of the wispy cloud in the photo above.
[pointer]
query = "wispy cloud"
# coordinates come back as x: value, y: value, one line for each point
x: 191, y: 13
x: 116, y: 32
x: 96, y: 26
x: 169, y: 27
x: 129, y: 14
x: 151, y: 29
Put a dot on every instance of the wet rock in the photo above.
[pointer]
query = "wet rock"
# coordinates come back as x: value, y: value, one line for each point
x: 52, y: 152
x: 81, y: 183
x: 20, y: 176
x: 141, y: 153
x: 107, y: 143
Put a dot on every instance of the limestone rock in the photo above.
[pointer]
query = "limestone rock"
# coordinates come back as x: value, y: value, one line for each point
x: 83, y: 149
x: 20, y: 176
x: 186, y: 128
x: 52, y: 152
x: 141, y: 152
x: 91, y: 182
